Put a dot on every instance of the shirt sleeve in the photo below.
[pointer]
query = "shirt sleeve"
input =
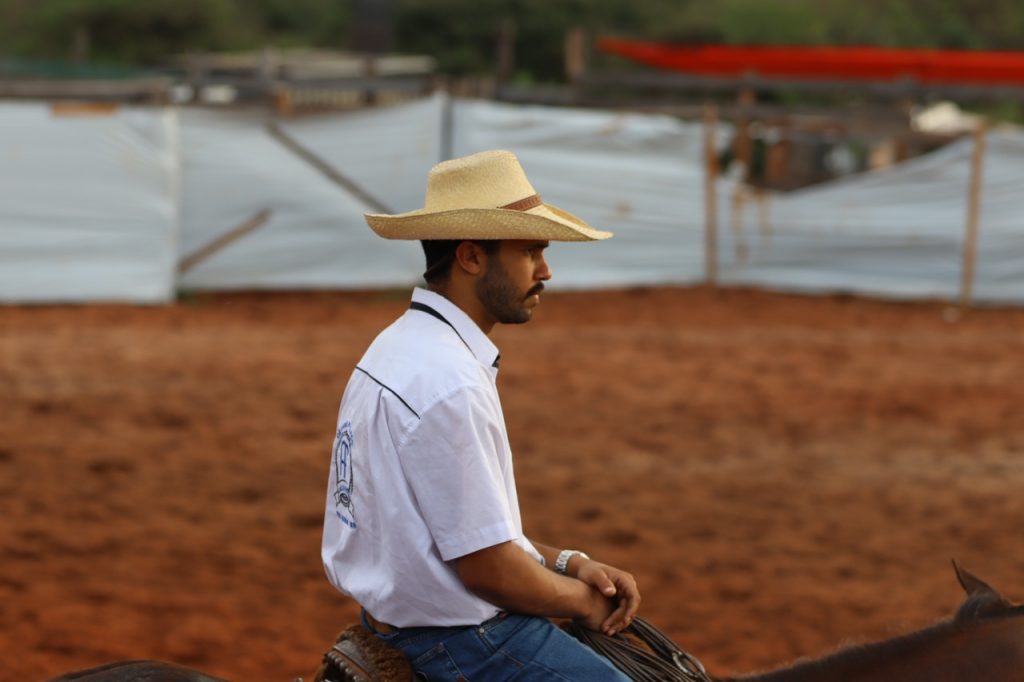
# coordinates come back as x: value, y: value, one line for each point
x: 453, y: 462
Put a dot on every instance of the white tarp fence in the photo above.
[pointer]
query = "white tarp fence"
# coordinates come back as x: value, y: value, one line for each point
x: 103, y: 208
x: 315, y: 235
x: 896, y: 232
x: 88, y: 204
x: 640, y: 176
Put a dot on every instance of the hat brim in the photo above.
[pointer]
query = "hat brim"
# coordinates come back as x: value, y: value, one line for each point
x: 545, y: 222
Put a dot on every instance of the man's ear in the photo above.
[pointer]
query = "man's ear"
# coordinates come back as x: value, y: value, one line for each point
x: 470, y: 258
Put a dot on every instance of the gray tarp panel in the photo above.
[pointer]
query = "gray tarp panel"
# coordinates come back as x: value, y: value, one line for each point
x: 640, y: 176
x: 386, y: 151
x: 315, y: 237
x: 896, y: 232
x: 88, y: 204
x: 90, y: 212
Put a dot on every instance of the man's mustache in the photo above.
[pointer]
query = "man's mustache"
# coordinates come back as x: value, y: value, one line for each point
x: 539, y: 287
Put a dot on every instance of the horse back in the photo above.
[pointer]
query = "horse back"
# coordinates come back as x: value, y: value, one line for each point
x: 137, y: 671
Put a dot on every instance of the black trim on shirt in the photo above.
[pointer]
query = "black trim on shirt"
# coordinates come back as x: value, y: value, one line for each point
x: 388, y: 389
x: 424, y: 308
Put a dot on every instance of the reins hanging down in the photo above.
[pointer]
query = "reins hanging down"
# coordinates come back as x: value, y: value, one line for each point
x: 643, y: 653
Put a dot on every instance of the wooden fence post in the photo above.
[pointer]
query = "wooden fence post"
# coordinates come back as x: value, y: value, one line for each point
x: 973, y: 212
x: 506, y: 50
x: 710, y: 195
x: 575, y: 54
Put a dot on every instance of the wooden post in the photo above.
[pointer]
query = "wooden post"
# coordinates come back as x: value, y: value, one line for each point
x: 196, y: 68
x: 575, y: 54
x: 710, y: 195
x: 266, y: 65
x: 736, y: 209
x: 742, y: 152
x: 81, y: 44
x: 506, y: 50
x: 575, y: 61
x: 370, y: 73
x: 973, y: 211
x: 764, y: 220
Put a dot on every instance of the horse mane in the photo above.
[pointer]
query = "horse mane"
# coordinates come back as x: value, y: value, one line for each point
x: 976, y: 609
x: 979, y: 607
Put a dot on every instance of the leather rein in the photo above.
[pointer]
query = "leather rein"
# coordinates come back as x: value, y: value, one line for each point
x: 654, y: 659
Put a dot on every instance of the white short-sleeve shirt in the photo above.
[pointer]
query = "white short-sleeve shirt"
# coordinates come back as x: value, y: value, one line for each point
x: 421, y: 470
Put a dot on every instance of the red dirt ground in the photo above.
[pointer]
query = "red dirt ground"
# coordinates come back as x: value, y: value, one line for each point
x: 782, y: 473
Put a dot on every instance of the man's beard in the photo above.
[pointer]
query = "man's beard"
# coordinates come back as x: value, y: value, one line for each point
x: 501, y: 298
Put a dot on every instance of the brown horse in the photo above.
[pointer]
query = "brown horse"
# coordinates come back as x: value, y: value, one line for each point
x: 983, y: 642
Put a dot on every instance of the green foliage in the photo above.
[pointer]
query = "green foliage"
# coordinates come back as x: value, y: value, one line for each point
x: 462, y: 34
x: 148, y: 32
x: 127, y: 31
x: 754, y: 22
x: 318, y: 23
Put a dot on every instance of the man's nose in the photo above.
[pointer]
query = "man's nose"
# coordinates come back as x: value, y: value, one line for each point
x: 543, y: 272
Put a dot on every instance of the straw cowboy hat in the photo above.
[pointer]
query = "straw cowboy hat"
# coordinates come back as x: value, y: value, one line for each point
x: 483, y: 196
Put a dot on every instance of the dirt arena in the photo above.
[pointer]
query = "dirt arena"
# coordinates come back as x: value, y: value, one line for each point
x: 783, y: 474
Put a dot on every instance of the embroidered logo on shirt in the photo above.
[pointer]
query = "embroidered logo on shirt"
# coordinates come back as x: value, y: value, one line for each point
x: 344, y: 481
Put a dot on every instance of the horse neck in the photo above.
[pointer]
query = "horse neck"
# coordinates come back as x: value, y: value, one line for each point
x: 923, y: 655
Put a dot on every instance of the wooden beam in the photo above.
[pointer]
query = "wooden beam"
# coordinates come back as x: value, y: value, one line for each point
x: 326, y: 169
x: 149, y: 89
x: 973, y: 213
x: 232, y: 235
x: 72, y: 108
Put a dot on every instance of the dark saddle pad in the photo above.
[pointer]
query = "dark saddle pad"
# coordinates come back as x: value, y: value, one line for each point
x: 359, y: 656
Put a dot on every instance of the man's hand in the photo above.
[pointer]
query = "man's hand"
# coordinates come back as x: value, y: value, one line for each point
x: 506, y: 576
x: 616, y: 586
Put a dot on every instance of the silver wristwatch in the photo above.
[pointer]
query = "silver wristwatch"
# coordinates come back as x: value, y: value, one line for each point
x: 562, y: 562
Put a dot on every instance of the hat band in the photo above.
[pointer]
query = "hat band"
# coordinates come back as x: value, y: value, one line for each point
x: 532, y: 201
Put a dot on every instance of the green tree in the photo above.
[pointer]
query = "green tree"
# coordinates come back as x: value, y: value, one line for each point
x: 462, y: 34
x: 147, y: 33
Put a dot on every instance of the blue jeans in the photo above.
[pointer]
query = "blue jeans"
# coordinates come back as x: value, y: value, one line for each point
x: 506, y: 647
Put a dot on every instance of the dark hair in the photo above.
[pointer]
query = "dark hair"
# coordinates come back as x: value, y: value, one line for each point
x: 440, y: 254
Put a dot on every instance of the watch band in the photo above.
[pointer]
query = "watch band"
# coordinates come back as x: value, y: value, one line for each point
x: 562, y: 562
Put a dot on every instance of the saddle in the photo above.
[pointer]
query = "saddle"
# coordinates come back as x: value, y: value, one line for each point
x: 641, y: 651
x: 359, y: 656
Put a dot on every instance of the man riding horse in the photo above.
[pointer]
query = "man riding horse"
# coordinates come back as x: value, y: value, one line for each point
x: 422, y: 523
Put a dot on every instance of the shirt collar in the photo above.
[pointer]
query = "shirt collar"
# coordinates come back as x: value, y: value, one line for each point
x: 479, y: 344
